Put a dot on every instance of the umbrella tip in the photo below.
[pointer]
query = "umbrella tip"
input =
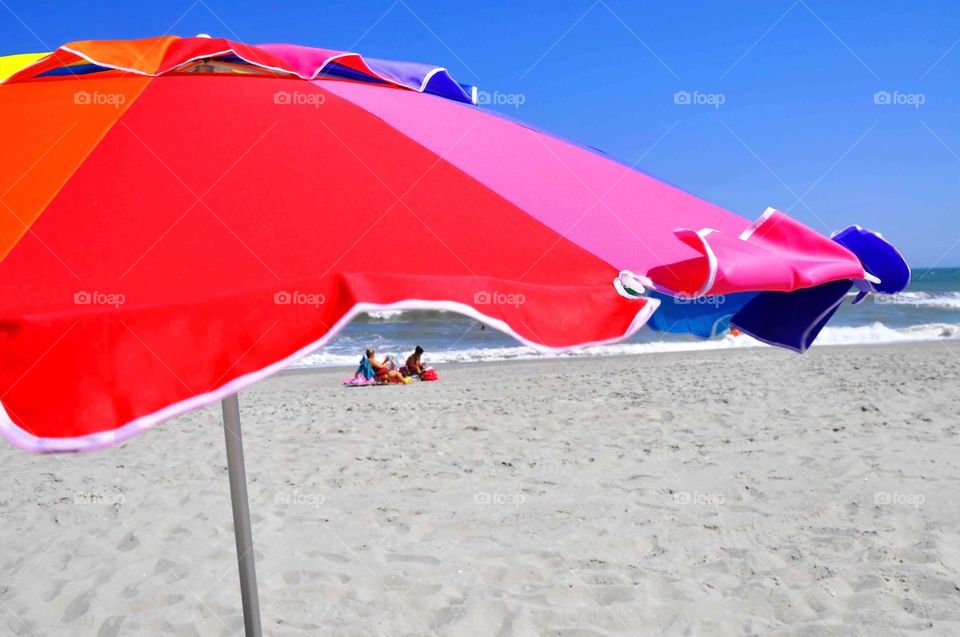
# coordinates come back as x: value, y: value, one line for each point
x: 203, y: 35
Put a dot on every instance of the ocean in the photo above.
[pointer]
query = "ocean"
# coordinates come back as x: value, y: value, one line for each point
x: 929, y: 310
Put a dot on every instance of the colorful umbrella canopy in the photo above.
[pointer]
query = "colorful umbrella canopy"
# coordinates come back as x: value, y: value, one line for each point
x: 183, y: 216
x: 180, y: 217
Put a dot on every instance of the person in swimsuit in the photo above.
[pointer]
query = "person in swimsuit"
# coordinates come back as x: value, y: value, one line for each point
x: 384, y: 373
x: 414, y: 364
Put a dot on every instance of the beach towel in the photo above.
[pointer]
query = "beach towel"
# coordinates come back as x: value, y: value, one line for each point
x: 365, y: 375
x: 366, y: 369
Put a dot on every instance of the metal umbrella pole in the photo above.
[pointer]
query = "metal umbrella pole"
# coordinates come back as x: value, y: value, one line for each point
x: 241, y: 516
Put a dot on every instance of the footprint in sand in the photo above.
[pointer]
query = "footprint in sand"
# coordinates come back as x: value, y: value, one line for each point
x: 175, y: 572
x: 128, y: 543
x: 55, y: 590
x: 76, y: 608
x: 111, y: 627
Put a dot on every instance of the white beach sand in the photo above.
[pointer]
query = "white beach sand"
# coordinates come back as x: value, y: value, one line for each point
x: 737, y: 492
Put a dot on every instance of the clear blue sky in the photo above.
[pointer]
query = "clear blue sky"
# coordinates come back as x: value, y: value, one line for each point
x: 798, y: 128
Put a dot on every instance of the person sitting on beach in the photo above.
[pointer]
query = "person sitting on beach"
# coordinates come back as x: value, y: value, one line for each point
x: 414, y: 364
x: 384, y: 373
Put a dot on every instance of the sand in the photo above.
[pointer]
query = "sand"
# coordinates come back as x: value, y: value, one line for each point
x: 741, y: 492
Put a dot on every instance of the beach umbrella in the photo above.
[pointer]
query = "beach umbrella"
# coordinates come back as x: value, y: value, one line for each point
x: 181, y: 217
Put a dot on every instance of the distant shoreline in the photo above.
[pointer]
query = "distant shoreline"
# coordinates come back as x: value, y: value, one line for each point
x: 573, y: 360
